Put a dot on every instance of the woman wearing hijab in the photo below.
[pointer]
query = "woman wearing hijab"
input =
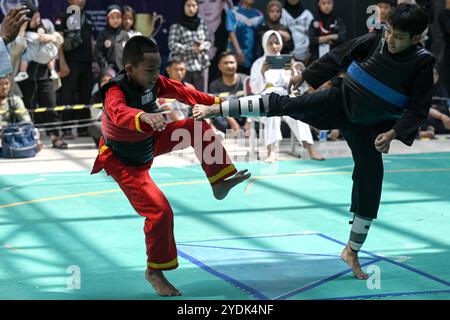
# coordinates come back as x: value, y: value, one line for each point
x: 326, y: 31
x: 264, y: 80
x: 188, y: 41
x: 111, y: 41
x: 214, y: 14
x: 298, y: 19
x: 273, y: 16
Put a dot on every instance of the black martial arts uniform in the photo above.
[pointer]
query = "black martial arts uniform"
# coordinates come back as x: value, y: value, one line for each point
x: 380, y: 91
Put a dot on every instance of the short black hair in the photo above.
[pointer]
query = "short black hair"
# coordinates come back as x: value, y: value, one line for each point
x: 226, y: 54
x: 135, y: 48
x: 393, y: 3
x: 409, y: 18
x: 174, y: 60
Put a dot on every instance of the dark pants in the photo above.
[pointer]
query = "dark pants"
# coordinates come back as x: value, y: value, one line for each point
x: 324, y: 110
x: 76, y: 89
x: 40, y: 93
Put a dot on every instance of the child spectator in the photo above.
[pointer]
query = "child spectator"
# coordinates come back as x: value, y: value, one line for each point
x: 273, y: 16
x: 129, y: 19
x: 298, y: 19
x: 326, y: 31
x: 242, y: 24
x: 110, y: 42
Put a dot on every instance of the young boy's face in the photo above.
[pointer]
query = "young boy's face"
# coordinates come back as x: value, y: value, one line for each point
x: 146, y: 73
x: 115, y: 20
x: 385, y: 11
x: 398, y: 41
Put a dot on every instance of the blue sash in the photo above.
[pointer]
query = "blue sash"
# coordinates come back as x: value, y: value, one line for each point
x: 378, y: 88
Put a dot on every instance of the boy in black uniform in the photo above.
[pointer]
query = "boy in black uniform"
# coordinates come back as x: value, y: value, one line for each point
x: 385, y: 95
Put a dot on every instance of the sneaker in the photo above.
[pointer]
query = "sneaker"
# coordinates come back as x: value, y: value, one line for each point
x: 21, y: 76
x: 54, y: 75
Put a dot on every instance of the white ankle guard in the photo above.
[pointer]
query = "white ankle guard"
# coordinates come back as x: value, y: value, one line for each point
x: 251, y: 107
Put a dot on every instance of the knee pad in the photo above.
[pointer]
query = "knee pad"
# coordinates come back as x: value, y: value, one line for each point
x: 250, y: 107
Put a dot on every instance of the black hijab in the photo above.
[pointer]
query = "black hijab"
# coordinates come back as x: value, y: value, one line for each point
x: 327, y: 19
x: 294, y: 10
x: 191, y: 23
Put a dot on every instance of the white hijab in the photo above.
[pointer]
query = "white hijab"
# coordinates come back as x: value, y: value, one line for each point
x: 273, y: 80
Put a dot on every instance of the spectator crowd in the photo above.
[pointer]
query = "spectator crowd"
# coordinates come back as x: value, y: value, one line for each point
x: 216, y: 47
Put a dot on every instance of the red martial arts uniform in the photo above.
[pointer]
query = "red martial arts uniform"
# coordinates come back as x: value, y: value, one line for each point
x: 121, y: 123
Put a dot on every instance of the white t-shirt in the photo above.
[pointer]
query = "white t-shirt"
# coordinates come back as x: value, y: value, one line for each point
x: 300, y: 31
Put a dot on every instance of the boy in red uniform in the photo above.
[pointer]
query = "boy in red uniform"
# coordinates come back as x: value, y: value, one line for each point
x: 133, y: 134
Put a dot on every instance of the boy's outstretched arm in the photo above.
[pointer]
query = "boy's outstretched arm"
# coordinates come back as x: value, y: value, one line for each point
x: 172, y: 89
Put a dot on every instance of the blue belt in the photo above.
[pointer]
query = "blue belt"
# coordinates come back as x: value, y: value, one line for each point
x: 382, y: 91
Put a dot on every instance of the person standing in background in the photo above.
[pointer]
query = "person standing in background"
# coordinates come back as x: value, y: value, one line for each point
x: 326, y: 31
x: 273, y: 16
x: 298, y: 19
x: 76, y: 56
x: 129, y: 20
x: 188, y: 39
x: 214, y: 13
x: 242, y: 23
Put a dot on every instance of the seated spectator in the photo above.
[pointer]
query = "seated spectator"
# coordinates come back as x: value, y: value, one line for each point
x: 272, y: 22
x: 232, y: 83
x: 176, y: 70
x: 298, y: 19
x: 38, y: 90
x: 439, y: 116
x: 105, y: 75
x: 111, y: 41
x: 12, y: 108
x: 129, y: 19
x: 265, y: 80
x: 188, y: 39
x: 242, y: 24
x: 327, y: 31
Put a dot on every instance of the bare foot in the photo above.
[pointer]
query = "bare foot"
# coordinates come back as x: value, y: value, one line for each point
x: 201, y: 112
x: 161, y: 285
x: 271, y: 158
x: 351, y: 258
x: 221, y: 189
x: 315, y: 155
